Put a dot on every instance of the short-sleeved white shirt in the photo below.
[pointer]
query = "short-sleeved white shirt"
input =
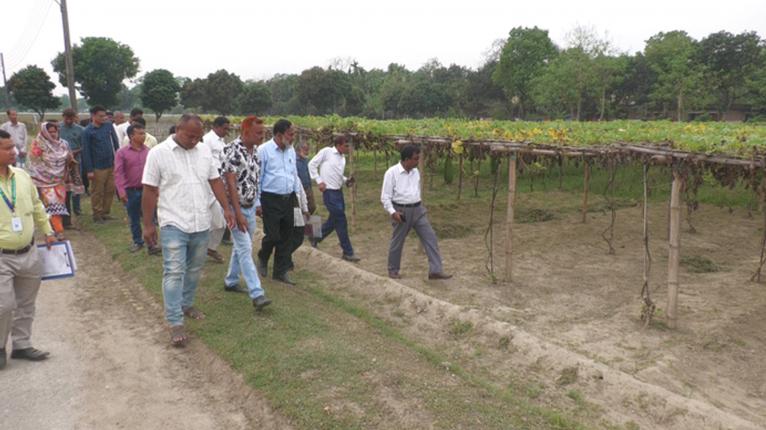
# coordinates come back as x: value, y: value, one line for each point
x: 182, y: 177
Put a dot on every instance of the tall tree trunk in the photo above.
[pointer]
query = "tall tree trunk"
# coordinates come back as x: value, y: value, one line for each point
x: 680, y: 105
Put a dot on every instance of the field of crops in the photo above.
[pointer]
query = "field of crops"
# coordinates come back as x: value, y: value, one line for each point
x: 733, y: 139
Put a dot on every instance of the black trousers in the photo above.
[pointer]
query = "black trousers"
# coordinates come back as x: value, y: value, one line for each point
x: 277, y: 227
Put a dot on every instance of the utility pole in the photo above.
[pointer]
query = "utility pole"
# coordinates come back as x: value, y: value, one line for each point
x: 68, y: 56
x: 5, y: 82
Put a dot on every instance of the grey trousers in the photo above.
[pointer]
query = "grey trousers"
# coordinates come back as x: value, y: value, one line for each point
x: 19, y: 283
x: 415, y: 218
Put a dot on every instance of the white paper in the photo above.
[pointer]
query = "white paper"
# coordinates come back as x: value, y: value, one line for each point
x: 57, y: 262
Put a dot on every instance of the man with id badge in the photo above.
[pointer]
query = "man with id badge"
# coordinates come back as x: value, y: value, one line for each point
x: 20, y: 268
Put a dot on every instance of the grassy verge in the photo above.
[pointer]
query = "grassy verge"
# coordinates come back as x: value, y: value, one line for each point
x: 327, y: 362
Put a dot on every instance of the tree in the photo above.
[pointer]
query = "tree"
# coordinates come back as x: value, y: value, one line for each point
x: 255, y: 98
x: 159, y: 91
x: 100, y: 66
x: 221, y: 90
x: 323, y: 91
x: 729, y: 60
x: 523, y: 57
x: 671, y: 55
x: 193, y: 93
x: 31, y: 87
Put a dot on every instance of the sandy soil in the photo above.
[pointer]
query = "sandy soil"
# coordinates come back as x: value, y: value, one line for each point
x: 569, y: 296
x: 111, y: 364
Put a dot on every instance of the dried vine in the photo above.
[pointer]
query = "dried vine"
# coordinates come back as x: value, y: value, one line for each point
x: 648, y: 308
x: 489, y: 234
x: 691, y: 187
x: 757, y: 275
x: 609, y: 196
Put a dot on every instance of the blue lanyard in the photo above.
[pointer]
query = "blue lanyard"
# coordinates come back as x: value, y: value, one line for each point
x: 11, y: 205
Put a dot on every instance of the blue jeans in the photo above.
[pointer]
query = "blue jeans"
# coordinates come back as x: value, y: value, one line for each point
x: 333, y: 201
x: 241, y: 261
x: 183, y: 256
x: 134, y: 213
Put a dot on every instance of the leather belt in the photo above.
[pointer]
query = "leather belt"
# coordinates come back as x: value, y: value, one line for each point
x: 19, y: 251
x: 409, y: 205
x: 244, y: 206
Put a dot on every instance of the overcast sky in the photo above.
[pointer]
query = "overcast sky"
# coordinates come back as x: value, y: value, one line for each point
x: 259, y: 39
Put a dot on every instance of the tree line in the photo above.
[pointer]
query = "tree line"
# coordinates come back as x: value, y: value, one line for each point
x: 525, y: 76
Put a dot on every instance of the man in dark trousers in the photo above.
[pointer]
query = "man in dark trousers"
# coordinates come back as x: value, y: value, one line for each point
x: 401, y: 199
x: 99, y: 143
x: 279, y: 185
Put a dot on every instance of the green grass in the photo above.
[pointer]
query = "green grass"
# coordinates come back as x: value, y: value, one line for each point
x: 326, y: 362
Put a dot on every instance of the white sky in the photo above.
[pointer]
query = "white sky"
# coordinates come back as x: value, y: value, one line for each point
x: 259, y: 39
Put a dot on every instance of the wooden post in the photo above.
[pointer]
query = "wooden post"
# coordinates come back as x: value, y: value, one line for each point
x: 460, y: 178
x: 509, y: 217
x: 586, y: 188
x: 421, y: 171
x: 352, y: 172
x: 674, y: 243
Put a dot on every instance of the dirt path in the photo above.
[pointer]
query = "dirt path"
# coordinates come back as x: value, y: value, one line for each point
x: 111, y: 366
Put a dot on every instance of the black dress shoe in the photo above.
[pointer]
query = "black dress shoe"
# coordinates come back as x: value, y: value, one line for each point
x: 30, y: 354
x: 234, y: 289
x: 352, y: 258
x: 3, y: 359
x: 440, y: 275
x: 263, y: 267
x: 260, y: 302
x: 284, y: 279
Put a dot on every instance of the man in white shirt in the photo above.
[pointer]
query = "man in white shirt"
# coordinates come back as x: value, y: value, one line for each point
x: 180, y: 174
x: 122, y: 128
x: 18, y: 132
x: 215, y: 140
x: 401, y: 199
x: 326, y: 168
x: 150, y: 141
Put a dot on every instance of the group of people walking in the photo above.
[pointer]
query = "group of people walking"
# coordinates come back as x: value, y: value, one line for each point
x: 185, y: 194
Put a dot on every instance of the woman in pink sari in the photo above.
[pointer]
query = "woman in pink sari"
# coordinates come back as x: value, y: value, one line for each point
x: 49, y: 158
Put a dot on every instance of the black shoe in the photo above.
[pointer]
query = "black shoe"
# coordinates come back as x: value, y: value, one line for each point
x: 263, y: 267
x: 284, y: 279
x: 154, y: 250
x: 260, y: 302
x: 440, y: 275
x: 3, y: 358
x: 314, y: 241
x: 30, y: 354
x: 234, y: 289
x: 352, y: 258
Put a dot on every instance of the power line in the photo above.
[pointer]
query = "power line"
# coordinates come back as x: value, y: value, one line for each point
x: 17, y: 62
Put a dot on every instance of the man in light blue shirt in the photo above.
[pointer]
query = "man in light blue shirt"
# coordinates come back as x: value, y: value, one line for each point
x: 279, y: 186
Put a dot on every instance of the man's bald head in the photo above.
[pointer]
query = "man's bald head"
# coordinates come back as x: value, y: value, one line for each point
x: 189, y: 130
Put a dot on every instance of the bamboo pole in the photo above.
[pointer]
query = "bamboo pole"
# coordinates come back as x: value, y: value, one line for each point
x: 421, y: 170
x: 460, y: 178
x: 353, y: 185
x: 509, y: 218
x: 674, y: 243
x: 647, y: 310
x: 586, y: 188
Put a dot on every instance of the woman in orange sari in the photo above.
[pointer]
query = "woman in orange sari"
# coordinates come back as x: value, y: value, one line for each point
x: 48, y: 160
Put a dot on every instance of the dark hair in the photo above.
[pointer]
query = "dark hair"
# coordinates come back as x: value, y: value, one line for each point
x: 220, y: 121
x: 136, y: 112
x: 140, y: 120
x: 409, y: 151
x: 281, y: 126
x: 69, y: 113
x: 96, y: 109
x: 340, y: 140
x: 132, y: 129
x: 8, y: 112
x: 109, y: 113
x: 51, y: 124
x: 172, y: 129
x: 4, y: 134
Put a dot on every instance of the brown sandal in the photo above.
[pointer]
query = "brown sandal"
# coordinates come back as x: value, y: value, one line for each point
x: 194, y: 313
x: 178, y: 336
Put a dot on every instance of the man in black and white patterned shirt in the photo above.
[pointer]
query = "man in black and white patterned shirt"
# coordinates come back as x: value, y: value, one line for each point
x: 241, y: 173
